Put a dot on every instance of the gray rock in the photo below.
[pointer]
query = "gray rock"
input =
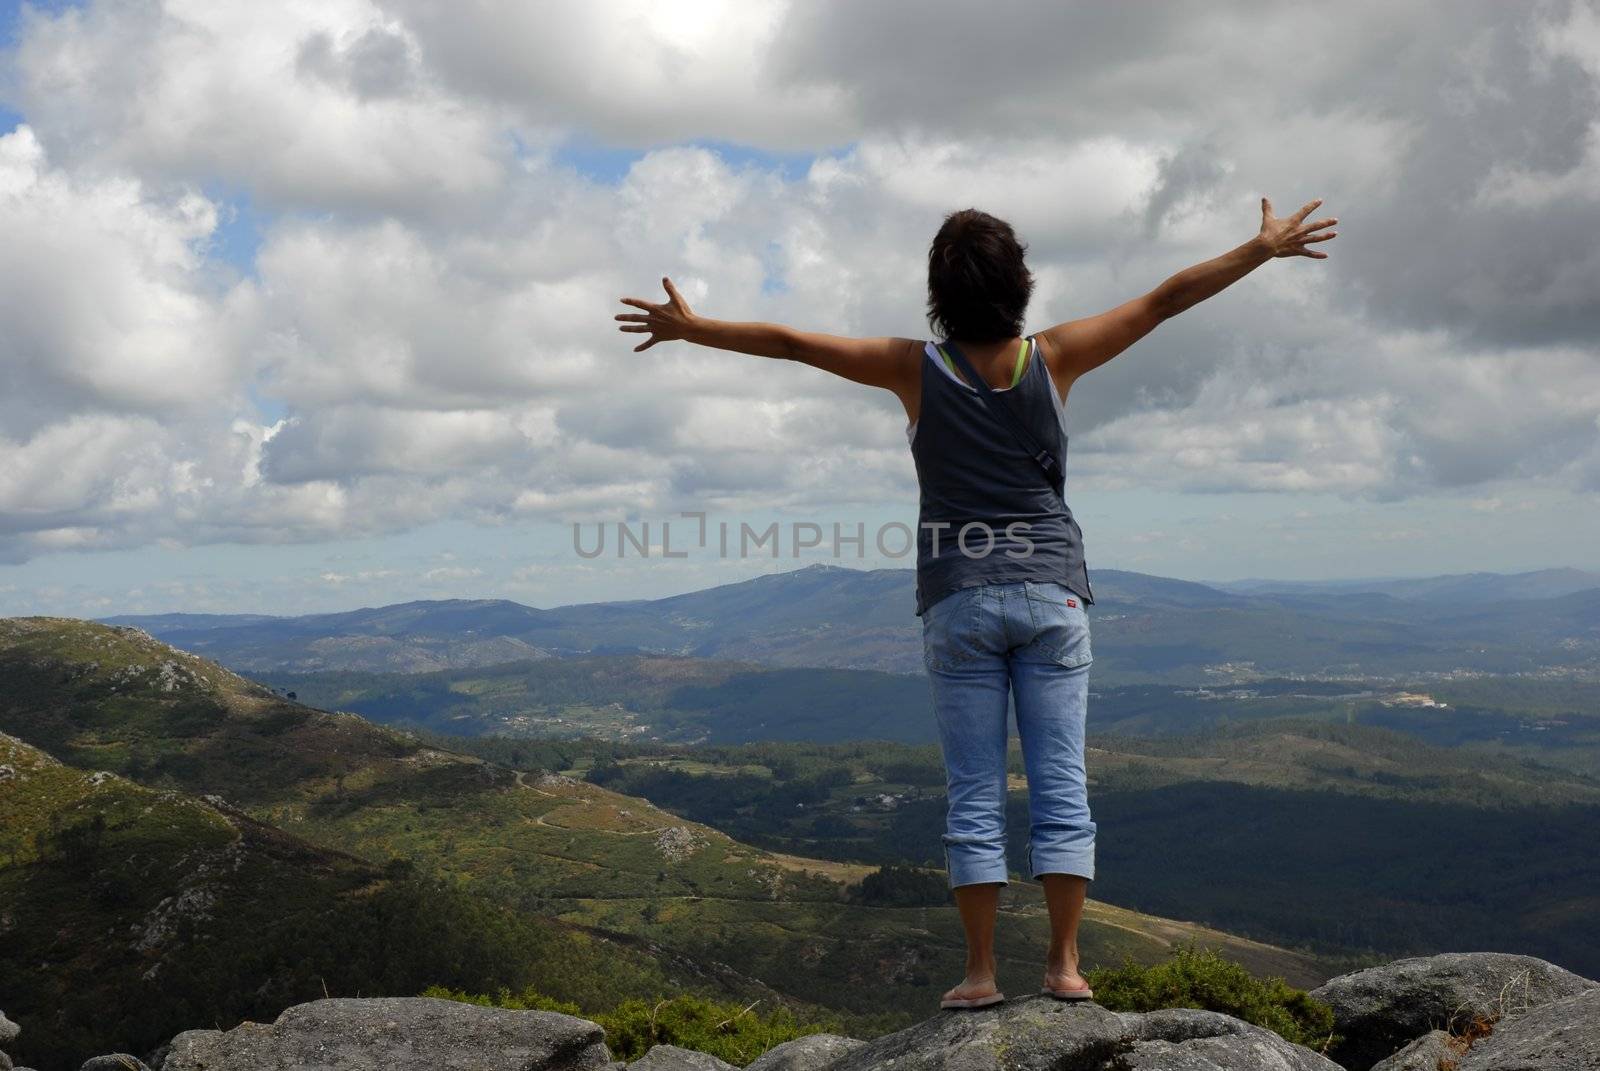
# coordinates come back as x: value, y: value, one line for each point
x: 1207, y: 1054
x: 810, y: 1053
x: 1041, y: 1034
x: 5, y: 1062
x: 346, y: 1034
x: 8, y: 1030
x: 1188, y: 1039
x: 1033, y: 1033
x: 1380, y: 1009
x: 672, y: 1058
x: 1564, y: 1035
x: 1427, y: 1053
x: 117, y: 1061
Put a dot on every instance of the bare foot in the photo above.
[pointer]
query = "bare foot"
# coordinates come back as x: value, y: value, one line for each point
x: 1064, y: 976
x: 973, y: 987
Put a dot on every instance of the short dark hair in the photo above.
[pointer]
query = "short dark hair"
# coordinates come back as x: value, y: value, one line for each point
x: 978, y: 284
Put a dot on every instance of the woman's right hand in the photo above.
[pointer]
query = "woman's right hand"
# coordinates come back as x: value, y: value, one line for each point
x: 665, y: 322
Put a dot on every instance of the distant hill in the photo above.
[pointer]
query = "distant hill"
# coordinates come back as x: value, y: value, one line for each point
x: 677, y: 904
x: 1453, y: 588
x: 1147, y: 630
x: 798, y: 618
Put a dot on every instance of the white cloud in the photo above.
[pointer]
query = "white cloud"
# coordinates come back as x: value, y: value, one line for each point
x: 426, y: 329
x: 308, y: 101
x: 642, y: 72
x: 104, y: 293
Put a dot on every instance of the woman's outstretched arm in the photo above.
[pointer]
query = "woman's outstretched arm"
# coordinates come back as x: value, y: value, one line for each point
x: 1078, y: 346
x: 890, y: 363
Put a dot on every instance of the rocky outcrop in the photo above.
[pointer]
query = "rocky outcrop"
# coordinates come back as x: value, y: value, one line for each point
x: 1186, y: 1039
x: 1563, y: 1035
x: 9, y: 1032
x: 419, y: 1032
x: 1457, y: 1012
x: 672, y: 1058
x: 117, y: 1061
x: 1430, y: 1052
x: 1382, y: 1009
x: 810, y: 1053
x: 1038, y: 1033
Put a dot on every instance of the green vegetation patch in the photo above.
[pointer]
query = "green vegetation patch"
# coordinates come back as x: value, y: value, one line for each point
x: 1199, y: 978
x: 731, y: 1032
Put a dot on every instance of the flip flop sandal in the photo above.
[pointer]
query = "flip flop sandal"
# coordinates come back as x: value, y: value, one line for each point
x: 1070, y: 994
x: 973, y: 1002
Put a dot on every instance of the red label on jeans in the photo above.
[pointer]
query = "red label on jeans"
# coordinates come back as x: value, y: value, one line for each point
x: 1072, y: 602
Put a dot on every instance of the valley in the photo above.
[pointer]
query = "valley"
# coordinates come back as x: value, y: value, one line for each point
x: 460, y: 870
x: 737, y: 793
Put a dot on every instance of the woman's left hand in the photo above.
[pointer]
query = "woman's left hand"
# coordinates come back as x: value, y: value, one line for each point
x: 669, y: 320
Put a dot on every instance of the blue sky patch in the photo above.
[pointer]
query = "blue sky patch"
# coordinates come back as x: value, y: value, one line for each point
x: 790, y: 165
x: 239, y: 229
x: 271, y: 410
x: 609, y: 164
x: 606, y: 164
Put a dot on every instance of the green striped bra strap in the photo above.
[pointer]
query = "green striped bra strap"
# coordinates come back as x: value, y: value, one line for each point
x: 1016, y: 374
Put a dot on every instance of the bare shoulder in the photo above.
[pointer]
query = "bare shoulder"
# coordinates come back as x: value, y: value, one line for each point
x: 1078, y: 346
x: 1062, y: 372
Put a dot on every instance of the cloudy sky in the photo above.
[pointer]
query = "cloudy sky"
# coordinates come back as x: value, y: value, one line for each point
x: 307, y: 305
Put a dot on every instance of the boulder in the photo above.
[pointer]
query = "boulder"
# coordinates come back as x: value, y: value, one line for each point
x: 1563, y: 1035
x: 385, y: 1033
x: 8, y: 1030
x: 1381, y: 1009
x: 5, y: 1062
x: 1428, y: 1053
x: 1038, y: 1033
x: 1026, y: 1033
x: 672, y: 1058
x: 1188, y: 1039
x: 117, y: 1061
x: 810, y: 1053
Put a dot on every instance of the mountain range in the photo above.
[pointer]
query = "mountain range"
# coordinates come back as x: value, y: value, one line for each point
x: 1148, y: 629
x: 1456, y: 587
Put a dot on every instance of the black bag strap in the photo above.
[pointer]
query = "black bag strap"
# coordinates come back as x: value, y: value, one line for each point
x: 1003, y: 412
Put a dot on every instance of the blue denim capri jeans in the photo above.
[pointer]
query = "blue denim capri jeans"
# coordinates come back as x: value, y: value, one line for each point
x: 984, y: 646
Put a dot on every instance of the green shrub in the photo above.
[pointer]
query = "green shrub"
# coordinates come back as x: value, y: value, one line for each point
x: 1199, y: 978
x: 527, y: 1000
x: 737, y: 1034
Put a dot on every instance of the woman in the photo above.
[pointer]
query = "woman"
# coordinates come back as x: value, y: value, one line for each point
x: 1001, y: 579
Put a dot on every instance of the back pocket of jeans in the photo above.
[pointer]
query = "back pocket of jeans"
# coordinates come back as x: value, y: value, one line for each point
x: 950, y: 629
x: 1063, y: 635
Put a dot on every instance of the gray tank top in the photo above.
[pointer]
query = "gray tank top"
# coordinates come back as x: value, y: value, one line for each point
x: 987, y: 515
